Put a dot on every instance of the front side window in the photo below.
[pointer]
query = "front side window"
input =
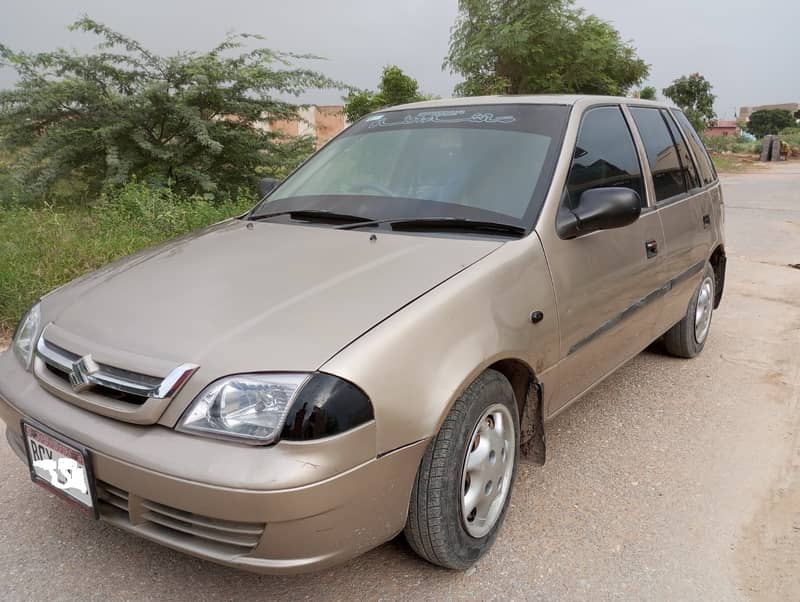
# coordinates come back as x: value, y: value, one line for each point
x: 662, y: 155
x: 605, y: 155
x: 490, y: 162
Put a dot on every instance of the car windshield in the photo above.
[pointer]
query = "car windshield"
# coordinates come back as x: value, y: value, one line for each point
x: 490, y: 162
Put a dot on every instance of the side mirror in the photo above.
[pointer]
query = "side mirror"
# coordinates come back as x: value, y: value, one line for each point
x: 267, y: 185
x: 599, y: 209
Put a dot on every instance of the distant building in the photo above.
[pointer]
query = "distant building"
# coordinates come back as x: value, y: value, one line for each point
x: 320, y: 122
x: 792, y: 107
x: 723, y: 128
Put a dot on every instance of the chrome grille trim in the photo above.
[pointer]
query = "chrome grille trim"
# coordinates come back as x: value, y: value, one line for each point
x: 118, y: 379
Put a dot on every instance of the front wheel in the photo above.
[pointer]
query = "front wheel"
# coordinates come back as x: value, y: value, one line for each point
x: 688, y: 337
x: 464, y: 482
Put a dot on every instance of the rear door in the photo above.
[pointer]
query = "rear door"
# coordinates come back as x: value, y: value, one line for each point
x: 603, y: 281
x: 684, y: 206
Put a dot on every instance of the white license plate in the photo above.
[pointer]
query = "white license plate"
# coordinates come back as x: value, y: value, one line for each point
x: 60, y: 466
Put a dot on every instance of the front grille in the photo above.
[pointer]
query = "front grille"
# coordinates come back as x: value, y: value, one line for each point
x: 101, y: 390
x: 72, y: 374
x: 178, y: 526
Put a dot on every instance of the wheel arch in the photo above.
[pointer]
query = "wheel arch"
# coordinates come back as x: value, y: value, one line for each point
x: 528, y: 392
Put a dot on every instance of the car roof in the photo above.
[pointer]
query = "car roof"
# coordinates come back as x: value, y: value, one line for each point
x: 532, y: 99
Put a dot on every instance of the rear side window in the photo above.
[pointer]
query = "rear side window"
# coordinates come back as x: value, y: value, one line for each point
x: 704, y: 164
x: 662, y: 155
x: 683, y: 151
x: 604, y: 155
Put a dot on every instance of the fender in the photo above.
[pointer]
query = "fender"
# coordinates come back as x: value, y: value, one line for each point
x: 414, y: 365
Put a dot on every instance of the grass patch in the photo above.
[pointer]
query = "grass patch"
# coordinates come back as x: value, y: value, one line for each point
x: 729, y: 163
x: 42, y: 248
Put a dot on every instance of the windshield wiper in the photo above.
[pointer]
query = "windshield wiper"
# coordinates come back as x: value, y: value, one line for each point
x: 442, y: 223
x: 315, y: 214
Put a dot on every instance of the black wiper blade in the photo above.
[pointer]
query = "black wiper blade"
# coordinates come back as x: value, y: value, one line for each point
x: 314, y: 214
x: 443, y: 223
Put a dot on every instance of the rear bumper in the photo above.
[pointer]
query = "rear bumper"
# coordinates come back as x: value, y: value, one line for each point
x: 290, y: 527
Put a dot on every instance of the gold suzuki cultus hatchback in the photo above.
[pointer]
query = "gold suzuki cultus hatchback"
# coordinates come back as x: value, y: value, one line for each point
x: 376, y: 345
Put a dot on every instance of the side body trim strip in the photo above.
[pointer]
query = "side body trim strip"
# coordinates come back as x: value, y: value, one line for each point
x: 633, y: 308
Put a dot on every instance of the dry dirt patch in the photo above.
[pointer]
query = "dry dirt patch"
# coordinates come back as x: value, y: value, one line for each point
x: 769, y: 552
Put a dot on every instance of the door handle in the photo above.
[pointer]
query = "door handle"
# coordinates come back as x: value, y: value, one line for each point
x: 706, y: 221
x: 651, y: 247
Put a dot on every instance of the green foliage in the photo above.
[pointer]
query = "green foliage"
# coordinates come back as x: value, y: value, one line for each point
x: 539, y: 46
x: 770, y: 121
x: 791, y: 136
x: 95, y: 121
x: 9, y: 189
x: 731, y: 144
x: 693, y: 95
x: 647, y: 93
x: 45, y: 247
x: 395, y: 88
x: 358, y: 103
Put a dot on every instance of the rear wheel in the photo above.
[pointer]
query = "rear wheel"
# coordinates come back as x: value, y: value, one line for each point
x: 464, y: 482
x: 688, y: 337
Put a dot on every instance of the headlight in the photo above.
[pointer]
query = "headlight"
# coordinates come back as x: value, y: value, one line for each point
x: 247, y: 407
x: 25, y: 335
x: 260, y: 408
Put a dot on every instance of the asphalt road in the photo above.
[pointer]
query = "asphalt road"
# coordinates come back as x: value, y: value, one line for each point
x: 674, y: 479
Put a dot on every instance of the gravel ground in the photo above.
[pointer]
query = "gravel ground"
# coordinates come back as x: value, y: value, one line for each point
x: 672, y: 480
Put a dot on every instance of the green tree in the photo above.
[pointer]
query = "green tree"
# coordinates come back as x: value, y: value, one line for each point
x: 538, y: 46
x: 647, y: 93
x: 123, y: 112
x: 395, y: 88
x: 693, y: 95
x: 769, y: 121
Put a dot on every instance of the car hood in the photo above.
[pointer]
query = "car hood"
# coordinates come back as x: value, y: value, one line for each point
x: 251, y: 296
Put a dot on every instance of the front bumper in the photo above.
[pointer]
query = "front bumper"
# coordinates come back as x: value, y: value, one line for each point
x: 284, y: 509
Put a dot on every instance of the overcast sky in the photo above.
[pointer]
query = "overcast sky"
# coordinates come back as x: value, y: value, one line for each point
x: 748, y: 50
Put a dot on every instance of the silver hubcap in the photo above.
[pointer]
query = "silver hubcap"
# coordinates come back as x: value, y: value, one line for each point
x: 703, y: 309
x: 488, y: 466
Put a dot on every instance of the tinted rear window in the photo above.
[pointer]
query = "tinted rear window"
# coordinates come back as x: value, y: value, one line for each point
x: 683, y: 151
x: 662, y: 155
x: 704, y: 164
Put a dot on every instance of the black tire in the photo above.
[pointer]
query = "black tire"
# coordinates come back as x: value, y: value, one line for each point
x: 435, y: 528
x: 681, y: 340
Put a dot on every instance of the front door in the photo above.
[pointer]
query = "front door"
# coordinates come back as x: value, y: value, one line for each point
x: 606, y: 283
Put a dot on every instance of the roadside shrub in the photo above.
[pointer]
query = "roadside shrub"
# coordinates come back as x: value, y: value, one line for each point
x: 731, y: 144
x: 769, y: 121
x: 44, y: 247
x: 93, y: 121
x: 792, y: 137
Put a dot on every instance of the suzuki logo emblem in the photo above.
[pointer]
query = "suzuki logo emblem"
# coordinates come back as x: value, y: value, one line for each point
x: 82, y: 370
